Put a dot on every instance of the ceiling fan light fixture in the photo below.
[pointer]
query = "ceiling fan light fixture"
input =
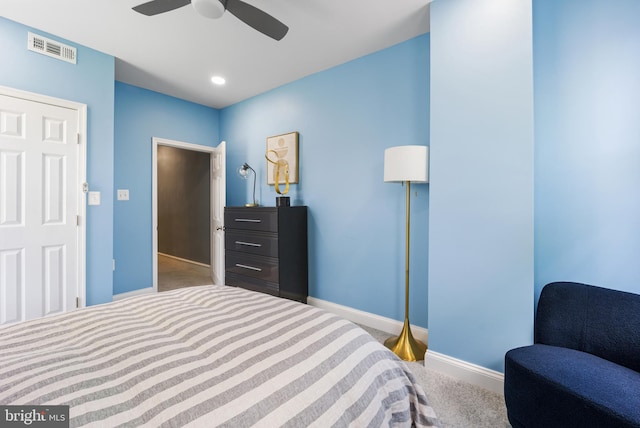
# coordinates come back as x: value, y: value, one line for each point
x: 250, y: 15
x: 208, y: 8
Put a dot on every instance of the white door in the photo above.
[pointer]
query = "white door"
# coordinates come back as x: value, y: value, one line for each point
x: 218, y: 201
x: 39, y: 185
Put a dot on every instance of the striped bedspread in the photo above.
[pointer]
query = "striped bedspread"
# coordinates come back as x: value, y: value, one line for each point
x: 208, y: 356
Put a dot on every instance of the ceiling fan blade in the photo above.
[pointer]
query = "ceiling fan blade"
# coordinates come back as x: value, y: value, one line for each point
x: 154, y: 7
x: 257, y: 19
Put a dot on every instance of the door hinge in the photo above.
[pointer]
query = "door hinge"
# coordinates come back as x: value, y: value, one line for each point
x: 77, y: 220
x: 78, y: 138
x: 77, y: 302
x: 85, y: 187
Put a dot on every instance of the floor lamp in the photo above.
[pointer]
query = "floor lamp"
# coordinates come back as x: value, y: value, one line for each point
x: 406, y: 164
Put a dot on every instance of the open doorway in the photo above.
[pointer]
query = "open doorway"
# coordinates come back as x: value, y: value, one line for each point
x: 184, y: 207
x: 188, y: 202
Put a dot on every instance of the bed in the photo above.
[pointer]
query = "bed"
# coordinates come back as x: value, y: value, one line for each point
x: 208, y: 356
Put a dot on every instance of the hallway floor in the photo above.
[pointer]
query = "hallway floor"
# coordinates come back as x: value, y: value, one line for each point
x: 173, y: 274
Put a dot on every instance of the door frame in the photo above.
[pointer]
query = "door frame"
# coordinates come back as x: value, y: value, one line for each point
x: 157, y: 141
x: 81, y: 179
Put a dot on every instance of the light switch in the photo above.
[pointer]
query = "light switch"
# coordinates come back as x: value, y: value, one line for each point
x: 94, y: 198
x: 123, y: 194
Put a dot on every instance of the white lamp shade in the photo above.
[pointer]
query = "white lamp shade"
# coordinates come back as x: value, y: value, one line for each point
x: 406, y: 163
x: 208, y: 8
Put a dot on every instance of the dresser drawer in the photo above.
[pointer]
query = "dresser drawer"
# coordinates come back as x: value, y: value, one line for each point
x: 264, y: 268
x: 258, y: 243
x: 250, y: 283
x: 251, y: 219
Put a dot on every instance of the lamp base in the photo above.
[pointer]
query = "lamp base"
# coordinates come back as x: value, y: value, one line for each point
x: 406, y: 346
x: 283, y: 201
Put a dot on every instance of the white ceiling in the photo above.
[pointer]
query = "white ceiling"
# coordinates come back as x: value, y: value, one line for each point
x: 177, y: 52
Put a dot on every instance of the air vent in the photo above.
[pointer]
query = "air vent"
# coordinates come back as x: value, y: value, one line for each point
x: 51, y: 48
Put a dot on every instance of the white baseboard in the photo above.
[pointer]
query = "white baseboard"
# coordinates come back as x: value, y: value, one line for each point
x: 453, y: 367
x: 378, y: 322
x: 465, y: 371
x: 193, y: 262
x: 139, y: 292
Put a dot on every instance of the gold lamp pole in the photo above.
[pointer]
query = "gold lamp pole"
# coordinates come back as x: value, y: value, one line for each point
x: 406, y: 164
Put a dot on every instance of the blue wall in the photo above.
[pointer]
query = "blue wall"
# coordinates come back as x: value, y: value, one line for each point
x: 587, y: 93
x: 140, y: 116
x: 586, y: 151
x: 91, y: 82
x: 483, y: 181
x: 481, y: 189
x: 346, y: 117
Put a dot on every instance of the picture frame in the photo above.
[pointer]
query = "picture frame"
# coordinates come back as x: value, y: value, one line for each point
x: 283, y: 147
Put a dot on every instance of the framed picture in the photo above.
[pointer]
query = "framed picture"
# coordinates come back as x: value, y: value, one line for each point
x: 282, y: 149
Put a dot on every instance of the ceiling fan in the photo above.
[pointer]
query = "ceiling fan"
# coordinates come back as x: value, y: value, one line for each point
x: 250, y: 15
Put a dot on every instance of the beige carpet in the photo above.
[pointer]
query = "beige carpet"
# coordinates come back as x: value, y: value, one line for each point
x: 173, y: 274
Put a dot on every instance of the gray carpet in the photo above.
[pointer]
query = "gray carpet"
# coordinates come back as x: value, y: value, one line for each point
x: 173, y: 273
x: 457, y: 404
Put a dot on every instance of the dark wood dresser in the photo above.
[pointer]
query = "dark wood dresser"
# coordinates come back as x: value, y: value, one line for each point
x: 266, y: 250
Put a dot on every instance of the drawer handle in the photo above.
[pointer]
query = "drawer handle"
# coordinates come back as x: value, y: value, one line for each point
x: 248, y: 267
x: 248, y: 220
x: 249, y: 244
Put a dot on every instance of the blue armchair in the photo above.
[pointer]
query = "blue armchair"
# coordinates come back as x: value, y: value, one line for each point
x: 583, y: 369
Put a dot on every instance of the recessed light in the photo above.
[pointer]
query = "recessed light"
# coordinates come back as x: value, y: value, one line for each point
x: 218, y: 80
